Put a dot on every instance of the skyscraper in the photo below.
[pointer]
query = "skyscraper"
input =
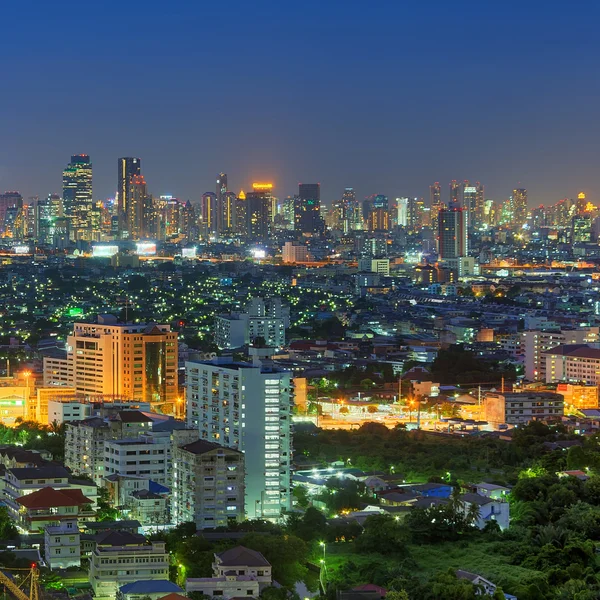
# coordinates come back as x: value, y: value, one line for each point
x: 452, y: 232
x: 227, y: 213
x: 457, y: 191
x: 247, y: 407
x: 519, y: 206
x: 352, y: 216
x: 8, y: 201
x: 307, y: 209
x: 210, y: 214
x: 435, y: 194
x: 77, y: 196
x: 241, y: 214
x: 127, y: 168
x: 259, y: 210
x: 136, y: 207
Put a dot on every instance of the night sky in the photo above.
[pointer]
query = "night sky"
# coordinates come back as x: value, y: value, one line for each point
x: 386, y: 97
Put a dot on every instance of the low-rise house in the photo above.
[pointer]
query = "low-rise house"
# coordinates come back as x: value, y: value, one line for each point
x: 62, y: 545
x: 485, y: 586
x: 491, y: 490
x: 236, y: 572
x: 153, y: 589
x: 51, y: 507
x: 120, y: 557
x: 490, y: 509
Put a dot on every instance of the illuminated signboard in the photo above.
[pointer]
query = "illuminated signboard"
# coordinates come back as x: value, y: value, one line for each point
x: 104, y: 251
x: 21, y: 249
x: 258, y: 253
x: 189, y: 252
x: 145, y: 248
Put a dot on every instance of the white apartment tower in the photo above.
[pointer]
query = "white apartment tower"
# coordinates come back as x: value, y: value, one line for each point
x: 247, y: 407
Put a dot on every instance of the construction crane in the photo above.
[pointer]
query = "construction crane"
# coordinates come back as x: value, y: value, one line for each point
x: 18, y: 591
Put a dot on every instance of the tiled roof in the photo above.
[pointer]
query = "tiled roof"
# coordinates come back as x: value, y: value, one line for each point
x: 48, y: 497
x: 242, y: 556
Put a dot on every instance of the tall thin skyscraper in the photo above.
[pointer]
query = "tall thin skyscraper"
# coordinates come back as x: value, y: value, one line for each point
x: 137, y: 207
x: 227, y: 213
x: 127, y: 168
x: 259, y: 210
x: 307, y: 209
x: 241, y: 214
x: 519, y: 206
x: 9, y: 201
x: 221, y: 190
x: 210, y: 214
x: 77, y: 196
x: 435, y: 194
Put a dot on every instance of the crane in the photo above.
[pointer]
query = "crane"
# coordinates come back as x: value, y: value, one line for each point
x: 18, y: 590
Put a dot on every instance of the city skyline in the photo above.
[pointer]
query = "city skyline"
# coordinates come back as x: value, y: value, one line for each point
x: 386, y: 102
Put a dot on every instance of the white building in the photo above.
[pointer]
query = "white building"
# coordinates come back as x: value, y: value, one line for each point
x: 208, y: 485
x: 573, y: 363
x: 293, y: 252
x: 520, y: 408
x: 265, y: 319
x: 237, y: 572
x: 247, y: 407
x: 62, y: 545
x: 84, y: 447
x: 120, y: 558
x: 62, y: 411
x: 146, y: 456
x: 535, y: 343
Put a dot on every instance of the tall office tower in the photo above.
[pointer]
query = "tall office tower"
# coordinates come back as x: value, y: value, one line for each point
x: 414, y: 215
x: 9, y: 200
x: 127, y: 168
x: 77, y: 196
x: 221, y: 190
x: 45, y: 217
x: 352, y: 218
x: 452, y: 232
x: 435, y: 194
x: 151, y: 218
x: 188, y: 222
x: 259, y: 210
x: 127, y: 361
x: 227, y: 213
x: 241, y: 214
x: 519, y: 207
x: 470, y: 203
x: 379, y: 220
x: 137, y: 201
x: 307, y: 209
x: 457, y: 191
x: 402, y: 212
x: 221, y: 185
x: 288, y: 211
x: 171, y: 217
x: 581, y: 203
x: 247, y: 407
x: 210, y: 214
x: 479, y: 202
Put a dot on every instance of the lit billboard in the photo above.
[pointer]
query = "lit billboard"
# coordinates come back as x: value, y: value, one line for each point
x: 145, y: 248
x: 104, y: 251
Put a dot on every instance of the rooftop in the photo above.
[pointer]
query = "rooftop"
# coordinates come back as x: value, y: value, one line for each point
x: 150, y: 586
x: 240, y: 555
x: 48, y: 497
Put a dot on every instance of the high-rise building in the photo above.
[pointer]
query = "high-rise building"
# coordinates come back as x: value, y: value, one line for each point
x: 452, y: 232
x: 352, y: 217
x: 77, y: 196
x: 241, y: 214
x: 227, y: 213
x: 132, y: 362
x: 402, y: 212
x: 435, y: 194
x: 307, y: 209
x: 519, y: 207
x: 221, y: 185
x: 259, y: 210
x: 208, y: 485
x: 379, y: 220
x: 456, y: 192
x: 210, y: 214
x: 137, y: 205
x: 127, y: 168
x: 247, y: 407
x: 9, y: 201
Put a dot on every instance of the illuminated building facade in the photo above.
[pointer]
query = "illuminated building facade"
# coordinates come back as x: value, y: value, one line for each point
x: 210, y: 214
x: 519, y: 207
x: 127, y: 168
x: 77, y: 197
x: 247, y: 407
x: 133, y: 362
x: 307, y: 209
x: 11, y: 203
x: 259, y: 210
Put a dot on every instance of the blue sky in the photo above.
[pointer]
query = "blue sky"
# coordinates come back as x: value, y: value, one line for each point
x: 386, y: 97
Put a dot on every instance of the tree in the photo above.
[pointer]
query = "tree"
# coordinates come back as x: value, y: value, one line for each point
x: 372, y: 409
x: 382, y: 534
x: 8, y: 531
x: 287, y: 554
x: 397, y: 595
x: 105, y: 510
x: 300, y: 494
